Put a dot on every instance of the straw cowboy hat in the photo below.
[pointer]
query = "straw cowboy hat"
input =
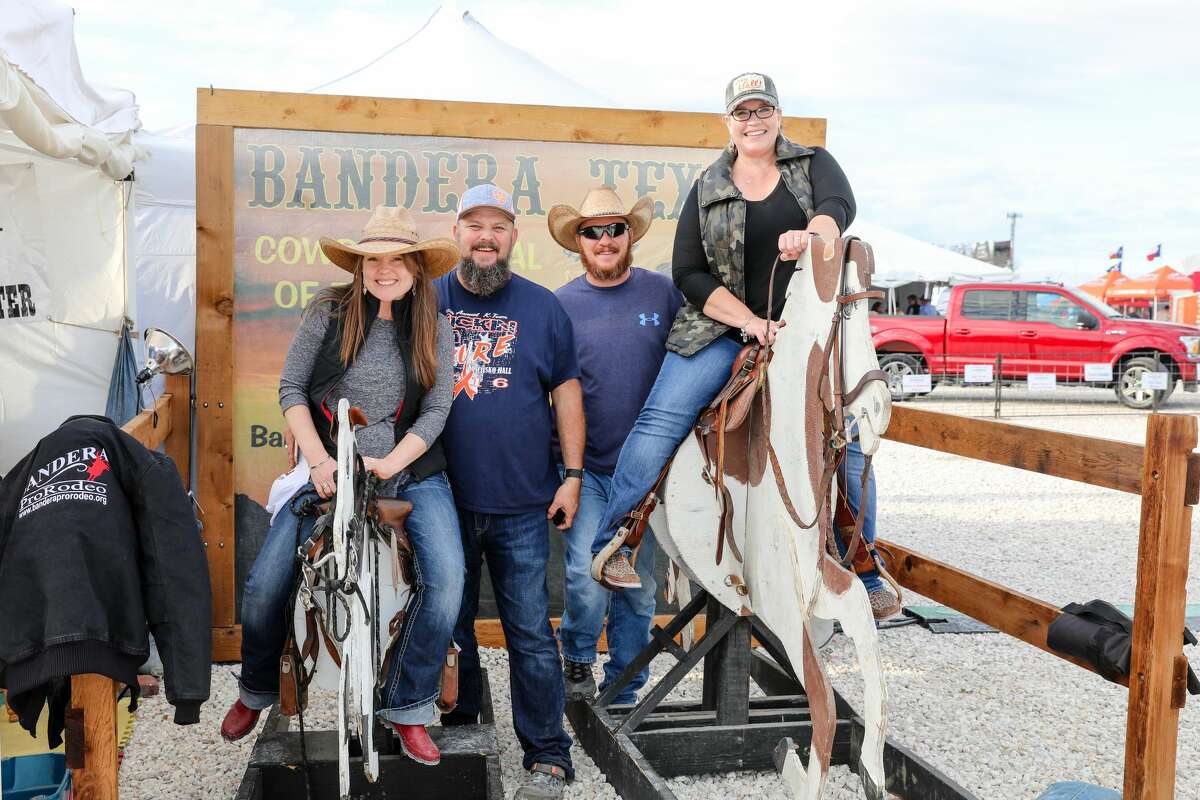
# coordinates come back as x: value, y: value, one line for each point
x: 600, y: 202
x: 391, y: 231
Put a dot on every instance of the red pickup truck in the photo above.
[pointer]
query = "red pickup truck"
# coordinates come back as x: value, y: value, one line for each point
x: 1037, y: 328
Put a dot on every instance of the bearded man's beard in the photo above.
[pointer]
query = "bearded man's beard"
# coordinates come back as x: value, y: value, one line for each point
x: 611, y: 273
x: 484, y: 281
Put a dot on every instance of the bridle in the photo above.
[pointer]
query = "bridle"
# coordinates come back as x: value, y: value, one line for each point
x: 836, y: 436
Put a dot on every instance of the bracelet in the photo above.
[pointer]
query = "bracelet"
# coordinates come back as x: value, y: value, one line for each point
x: 323, y: 463
x: 746, y: 324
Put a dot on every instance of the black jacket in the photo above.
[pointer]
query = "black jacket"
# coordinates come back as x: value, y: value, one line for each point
x: 328, y: 372
x: 97, y: 540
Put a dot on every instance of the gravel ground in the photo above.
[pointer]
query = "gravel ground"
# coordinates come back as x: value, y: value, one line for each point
x: 1002, y: 718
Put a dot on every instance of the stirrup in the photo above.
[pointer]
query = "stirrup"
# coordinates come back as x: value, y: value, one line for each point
x: 606, y: 553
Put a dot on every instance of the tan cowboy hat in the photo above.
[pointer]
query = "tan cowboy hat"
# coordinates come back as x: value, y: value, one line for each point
x: 600, y: 202
x: 391, y: 231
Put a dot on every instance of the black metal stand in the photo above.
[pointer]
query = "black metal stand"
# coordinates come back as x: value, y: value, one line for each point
x: 638, y: 747
x: 470, y: 766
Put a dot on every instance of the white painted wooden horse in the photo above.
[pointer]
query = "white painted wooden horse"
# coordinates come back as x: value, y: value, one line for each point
x: 351, y: 599
x: 823, y: 378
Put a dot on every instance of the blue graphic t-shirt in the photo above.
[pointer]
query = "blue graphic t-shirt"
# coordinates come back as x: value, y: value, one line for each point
x: 510, y: 350
x: 620, y: 336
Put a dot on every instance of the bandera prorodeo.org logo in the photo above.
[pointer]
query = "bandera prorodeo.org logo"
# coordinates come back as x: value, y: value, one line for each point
x: 72, y: 476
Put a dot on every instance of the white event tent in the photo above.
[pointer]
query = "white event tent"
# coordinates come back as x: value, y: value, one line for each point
x: 65, y: 284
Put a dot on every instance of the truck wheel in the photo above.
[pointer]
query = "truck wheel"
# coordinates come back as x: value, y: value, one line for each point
x: 1128, y: 387
x: 896, y: 366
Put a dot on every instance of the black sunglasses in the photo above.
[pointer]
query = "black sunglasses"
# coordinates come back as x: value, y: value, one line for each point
x: 613, y: 229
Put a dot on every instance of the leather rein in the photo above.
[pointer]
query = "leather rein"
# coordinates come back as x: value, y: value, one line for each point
x: 833, y: 408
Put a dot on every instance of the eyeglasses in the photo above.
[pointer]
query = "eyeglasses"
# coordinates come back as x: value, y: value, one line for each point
x: 743, y: 114
x: 596, y: 232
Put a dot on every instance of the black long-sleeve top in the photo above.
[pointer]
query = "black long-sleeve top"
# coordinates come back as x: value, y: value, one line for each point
x: 766, y: 220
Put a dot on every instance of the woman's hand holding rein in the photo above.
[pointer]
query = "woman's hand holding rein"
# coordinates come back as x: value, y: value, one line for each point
x: 762, y: 330
x: 324, y: 477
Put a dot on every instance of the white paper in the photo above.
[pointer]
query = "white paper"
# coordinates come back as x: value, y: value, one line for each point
x: 1097, y: 372
x: 1041, y: 381
x: 1155, y: 380
x: 977, y: 373
x: 916, y: 383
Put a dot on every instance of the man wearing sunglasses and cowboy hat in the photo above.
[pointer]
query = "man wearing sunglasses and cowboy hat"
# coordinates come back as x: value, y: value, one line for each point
x: 621, y: 316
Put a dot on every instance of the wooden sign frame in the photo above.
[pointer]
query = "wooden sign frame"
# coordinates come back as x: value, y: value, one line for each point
x: 220, y: 112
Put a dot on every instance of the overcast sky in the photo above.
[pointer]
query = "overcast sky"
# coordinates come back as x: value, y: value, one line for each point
x: 1083, y: 117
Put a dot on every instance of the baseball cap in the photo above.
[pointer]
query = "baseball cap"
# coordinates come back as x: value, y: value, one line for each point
x: 750, y: 86
x: 486, y: 195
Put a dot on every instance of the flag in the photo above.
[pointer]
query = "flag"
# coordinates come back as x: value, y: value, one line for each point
x: 1114, y: 268
x: 1156, y: 254
x: 1119, y: 254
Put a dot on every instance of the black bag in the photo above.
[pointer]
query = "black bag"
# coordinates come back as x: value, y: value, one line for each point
x: 1102, y: 635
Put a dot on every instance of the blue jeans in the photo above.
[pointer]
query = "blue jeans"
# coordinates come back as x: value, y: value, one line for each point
x: 685, y: 385
x: 432, y: 609
x: 850, y: 477
x: 630, y: 612
x: 1076, y: 790
x: 517, y: 549
x: 265, y: 613
x: 412, y: 682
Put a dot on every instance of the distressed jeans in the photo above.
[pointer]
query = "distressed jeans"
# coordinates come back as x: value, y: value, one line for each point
x: 685, y: 385
x: 433, y: 607
x: 408, y: 696
x: 517, y: 550
x: 630, y: 612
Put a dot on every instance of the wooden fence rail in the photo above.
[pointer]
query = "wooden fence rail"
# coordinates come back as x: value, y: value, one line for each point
x: 1166, y: 473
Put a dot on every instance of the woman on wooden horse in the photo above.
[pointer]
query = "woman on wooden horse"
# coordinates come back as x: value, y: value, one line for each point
x: 379, y: 342
x: 763, y: 196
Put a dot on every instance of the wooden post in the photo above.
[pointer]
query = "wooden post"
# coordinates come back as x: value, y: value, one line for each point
x: 214, y: 359
x: 1158, y: 667
x: 179, y: 442
x: 96, y: 696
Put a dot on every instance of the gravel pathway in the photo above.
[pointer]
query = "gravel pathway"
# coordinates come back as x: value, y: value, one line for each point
x: 1001, y: 718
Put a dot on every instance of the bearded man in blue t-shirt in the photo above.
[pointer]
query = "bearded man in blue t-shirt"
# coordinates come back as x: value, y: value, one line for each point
x: 514, y: 350
x: 621, y: 316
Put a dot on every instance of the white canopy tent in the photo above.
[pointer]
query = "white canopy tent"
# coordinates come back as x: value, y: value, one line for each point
x: 65, y: 286
x: 166, y: 181
x: 902, y: 261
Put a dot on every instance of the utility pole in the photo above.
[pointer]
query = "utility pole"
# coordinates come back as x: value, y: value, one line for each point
x: 1013, y: 216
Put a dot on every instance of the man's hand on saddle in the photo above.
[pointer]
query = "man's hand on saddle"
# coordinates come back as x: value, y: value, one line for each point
x: 566, y: 502
x: 792, y: 244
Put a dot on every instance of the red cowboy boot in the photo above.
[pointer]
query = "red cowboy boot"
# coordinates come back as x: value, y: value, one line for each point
x: 416, y: 744
x: 238, y: 721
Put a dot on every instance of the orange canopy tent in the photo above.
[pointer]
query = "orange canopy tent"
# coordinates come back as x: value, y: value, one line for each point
x: 1157, y: 285
x: 1100, y: 287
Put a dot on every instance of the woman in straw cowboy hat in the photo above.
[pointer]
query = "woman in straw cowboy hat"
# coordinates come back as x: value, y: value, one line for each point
x: 763, y: 196
x: 379, y: 342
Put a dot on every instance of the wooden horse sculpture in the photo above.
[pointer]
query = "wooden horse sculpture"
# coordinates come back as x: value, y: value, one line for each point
x: 356, y: 578
x: 765, y: 486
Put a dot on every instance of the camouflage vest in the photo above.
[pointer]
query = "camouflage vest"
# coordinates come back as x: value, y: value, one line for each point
x: 722, y: 228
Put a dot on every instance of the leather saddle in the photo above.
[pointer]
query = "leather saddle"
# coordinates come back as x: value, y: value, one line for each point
x: 719, y: 426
